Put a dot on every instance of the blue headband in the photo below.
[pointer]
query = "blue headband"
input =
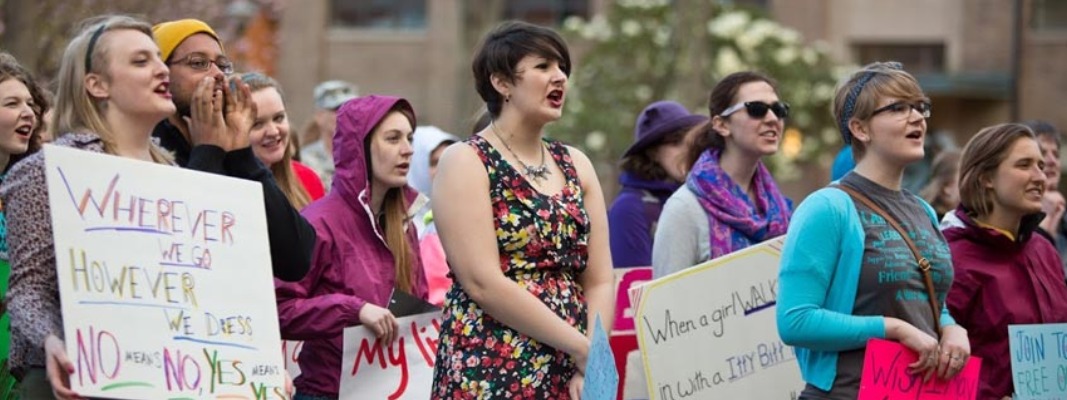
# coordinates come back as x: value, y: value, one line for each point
x: 850, y: 105
x: 850, y: 101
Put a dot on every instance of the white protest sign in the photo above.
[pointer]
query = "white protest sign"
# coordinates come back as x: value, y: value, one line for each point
x: 709, y: 332
x: 165, y: 280
x: 291, y: 351
x: 400, y: 370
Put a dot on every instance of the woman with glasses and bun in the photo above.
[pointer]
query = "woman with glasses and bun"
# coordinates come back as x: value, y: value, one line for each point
x: 848, y: 274
x: 730, y: 200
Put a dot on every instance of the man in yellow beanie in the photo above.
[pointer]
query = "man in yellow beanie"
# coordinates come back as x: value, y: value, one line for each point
x: 205, y: 141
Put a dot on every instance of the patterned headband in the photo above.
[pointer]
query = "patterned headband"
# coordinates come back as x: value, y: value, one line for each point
x: 850, y: 100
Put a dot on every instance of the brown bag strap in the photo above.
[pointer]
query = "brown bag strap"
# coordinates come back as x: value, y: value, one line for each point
x: 924, y: 264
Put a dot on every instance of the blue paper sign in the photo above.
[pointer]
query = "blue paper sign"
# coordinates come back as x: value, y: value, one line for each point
x: 601, y: 377
x: 1039, y: 361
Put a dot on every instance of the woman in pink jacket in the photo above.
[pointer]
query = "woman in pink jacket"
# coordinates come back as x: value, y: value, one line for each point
x: 366, y: 248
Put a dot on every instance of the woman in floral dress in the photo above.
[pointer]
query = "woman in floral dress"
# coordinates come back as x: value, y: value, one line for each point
x: 523, y: 223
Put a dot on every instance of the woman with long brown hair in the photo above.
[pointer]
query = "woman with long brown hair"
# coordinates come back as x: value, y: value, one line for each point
x: 271, y: 142
x: 729, y: 200
x: 367, y: 246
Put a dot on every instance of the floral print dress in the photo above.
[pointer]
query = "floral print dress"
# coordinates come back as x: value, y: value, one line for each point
x: 542, y: 242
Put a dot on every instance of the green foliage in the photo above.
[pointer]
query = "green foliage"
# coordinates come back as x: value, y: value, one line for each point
x: 642, y: 51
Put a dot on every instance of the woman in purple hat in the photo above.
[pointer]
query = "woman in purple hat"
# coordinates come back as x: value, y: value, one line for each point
x: 652, y: 169
x: 730, y: 200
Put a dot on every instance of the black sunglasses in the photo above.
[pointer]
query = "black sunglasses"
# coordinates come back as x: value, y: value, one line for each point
x: 903, y: 107
x: 758, y: 109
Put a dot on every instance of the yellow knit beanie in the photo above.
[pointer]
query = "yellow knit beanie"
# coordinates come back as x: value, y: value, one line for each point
x: 170, y: 34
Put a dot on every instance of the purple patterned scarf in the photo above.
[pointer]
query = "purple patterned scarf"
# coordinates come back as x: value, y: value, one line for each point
x: 734, y: 221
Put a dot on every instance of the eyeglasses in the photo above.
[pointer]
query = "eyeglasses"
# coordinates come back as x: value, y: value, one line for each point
x: 903, y: 108
x: 200, y: 62
x: 758, y: 109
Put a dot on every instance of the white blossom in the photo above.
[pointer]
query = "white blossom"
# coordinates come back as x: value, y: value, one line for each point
x: 597, y: 29
x: 823, y: 91
x: 729, y: 24
x: 748, y: 43
x: 595, y: 140
x: 761, y: 30
x: 788, y: 36
x: 630, y: 28
x: 643, y: 4
x: 810, y: 56
x: 727, y: 61
x: 785, y: 55
x: 573, y: 23
x: 662, y: 36
x: 643, y: 92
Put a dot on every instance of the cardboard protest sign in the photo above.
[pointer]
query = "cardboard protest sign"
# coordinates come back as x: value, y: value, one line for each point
x: 1039, y: 361
x: 165, y: 280
x: 601, y: 377
x: 886, y: 376
x: 709, y: 332
x: 399, y: 370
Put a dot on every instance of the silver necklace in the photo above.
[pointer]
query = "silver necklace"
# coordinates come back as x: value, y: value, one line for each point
x: 538, y: 172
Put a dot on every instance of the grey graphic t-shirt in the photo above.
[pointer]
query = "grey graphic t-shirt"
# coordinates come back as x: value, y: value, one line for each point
x: 890, y: 282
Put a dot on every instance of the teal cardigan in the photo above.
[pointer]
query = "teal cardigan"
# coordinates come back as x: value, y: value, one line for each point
x: 817, y: 283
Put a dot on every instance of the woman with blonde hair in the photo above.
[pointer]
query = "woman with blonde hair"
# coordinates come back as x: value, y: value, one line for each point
x: 112, y: 91
x: 943, y: 191
x: 271, y: 142
x: 863, y: 258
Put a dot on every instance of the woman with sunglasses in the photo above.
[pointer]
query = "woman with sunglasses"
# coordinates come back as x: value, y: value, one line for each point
x: 730, y: 200
x: 847, y: 273
x: 1005, y: 273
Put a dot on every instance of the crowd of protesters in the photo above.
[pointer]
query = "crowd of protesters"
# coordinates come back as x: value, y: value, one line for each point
x: 508, y: 229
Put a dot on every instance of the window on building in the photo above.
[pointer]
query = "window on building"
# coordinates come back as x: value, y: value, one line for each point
x: 1048, y: 15
x: 546, y: 12
x: 379, y: 14
x: 917, y: 58
x: 757, y: 4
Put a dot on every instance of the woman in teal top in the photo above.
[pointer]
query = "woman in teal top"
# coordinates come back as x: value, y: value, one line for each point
x: 846, y: 275
x: 22, y: 104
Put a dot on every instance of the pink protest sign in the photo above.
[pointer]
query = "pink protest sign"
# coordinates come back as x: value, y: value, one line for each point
x: 885, y: 376
x: 626, y: 278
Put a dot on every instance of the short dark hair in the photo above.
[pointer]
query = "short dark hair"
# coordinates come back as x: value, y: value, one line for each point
x: 1043, y: 129
x: 643, y: 164
x: 722, y: 96
x: 504, y: 47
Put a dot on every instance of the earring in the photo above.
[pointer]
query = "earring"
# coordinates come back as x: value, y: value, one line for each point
x: 507, y: 98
